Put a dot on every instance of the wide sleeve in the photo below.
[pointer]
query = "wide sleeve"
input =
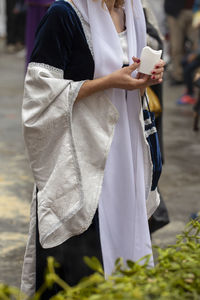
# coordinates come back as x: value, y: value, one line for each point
x: 47, y: 125
x: 67, y: 142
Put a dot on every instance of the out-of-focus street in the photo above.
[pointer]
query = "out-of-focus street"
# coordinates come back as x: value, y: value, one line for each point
x: 179, y: 183
x: 15, y: 177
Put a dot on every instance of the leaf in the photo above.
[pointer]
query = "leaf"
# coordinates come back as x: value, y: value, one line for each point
x: 94, y: 264
x: 130, y: 264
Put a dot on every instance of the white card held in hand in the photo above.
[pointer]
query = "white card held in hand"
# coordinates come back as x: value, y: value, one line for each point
x: 149, y: 58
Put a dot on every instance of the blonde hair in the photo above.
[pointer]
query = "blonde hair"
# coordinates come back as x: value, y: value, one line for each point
x: 118, y: 3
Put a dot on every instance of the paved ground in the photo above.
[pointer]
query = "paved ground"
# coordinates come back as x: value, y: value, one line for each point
x: 180, y: 179
x: 179, y: 183
x: 15, y: 177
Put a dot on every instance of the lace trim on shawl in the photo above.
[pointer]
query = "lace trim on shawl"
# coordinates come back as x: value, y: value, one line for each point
x: 48, y: 67
x: 86, y: 27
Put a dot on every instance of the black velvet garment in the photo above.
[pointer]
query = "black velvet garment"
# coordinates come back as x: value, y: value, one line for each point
x: 69, y: 255
x: 61, y: 43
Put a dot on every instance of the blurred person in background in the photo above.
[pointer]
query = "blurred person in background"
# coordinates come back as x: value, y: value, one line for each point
x: 196, y: 8
x: 155, y: 39
x: 191, y: 62
x: 19, y: 13
x: 36, y: 9
x: 179, y: 17
x: 10, y: 26
x: 16, y: 19
x: 157, y: 7
x: 2, y: 19
x: 197, y: 104
x: 196, y: 23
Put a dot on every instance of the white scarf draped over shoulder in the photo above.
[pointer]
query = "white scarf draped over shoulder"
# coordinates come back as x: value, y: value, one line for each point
x: 123, y: 213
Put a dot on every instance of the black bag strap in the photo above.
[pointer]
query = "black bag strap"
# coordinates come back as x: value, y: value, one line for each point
x: 147, y: 102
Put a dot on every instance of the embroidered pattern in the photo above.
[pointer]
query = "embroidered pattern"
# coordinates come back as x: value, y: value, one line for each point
x: 48, y: 67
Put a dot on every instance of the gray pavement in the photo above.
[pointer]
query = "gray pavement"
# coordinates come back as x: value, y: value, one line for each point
x: 15, y: 177
x: 179, y: 183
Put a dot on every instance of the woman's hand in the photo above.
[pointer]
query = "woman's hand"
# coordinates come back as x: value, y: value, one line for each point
x: 122, y: 78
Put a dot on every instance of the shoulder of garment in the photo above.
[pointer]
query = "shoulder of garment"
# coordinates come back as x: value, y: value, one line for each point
x: 55, y: 35
x: 62, y: 8
x: 60, y: 14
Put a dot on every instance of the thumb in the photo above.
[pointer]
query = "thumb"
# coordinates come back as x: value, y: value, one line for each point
x: 135, y: 59
x: 135, y: 65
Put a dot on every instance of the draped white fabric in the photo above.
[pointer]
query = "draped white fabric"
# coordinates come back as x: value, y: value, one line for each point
x: 123, y: 218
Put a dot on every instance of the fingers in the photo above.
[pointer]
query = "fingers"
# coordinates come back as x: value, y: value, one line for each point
x: 145, y: 77
x: 155, y: 81
x: 158, y: 81
x: 143, y: 82
x: 138, y: 76
x: 133, y: 67
x: 147, y: 81
x: 157, y: 76
x: 161, y: 64
x: 135, y: 59
x: 158, y: 70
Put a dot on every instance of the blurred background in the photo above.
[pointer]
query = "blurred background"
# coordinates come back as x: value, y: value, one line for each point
x: 172, y: 26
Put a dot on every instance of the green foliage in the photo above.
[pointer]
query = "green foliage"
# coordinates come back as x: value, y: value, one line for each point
x: 176, y: 275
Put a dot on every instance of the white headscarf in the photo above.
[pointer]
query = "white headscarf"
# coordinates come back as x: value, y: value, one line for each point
x: 106, y: 45
x: 122, y: 206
